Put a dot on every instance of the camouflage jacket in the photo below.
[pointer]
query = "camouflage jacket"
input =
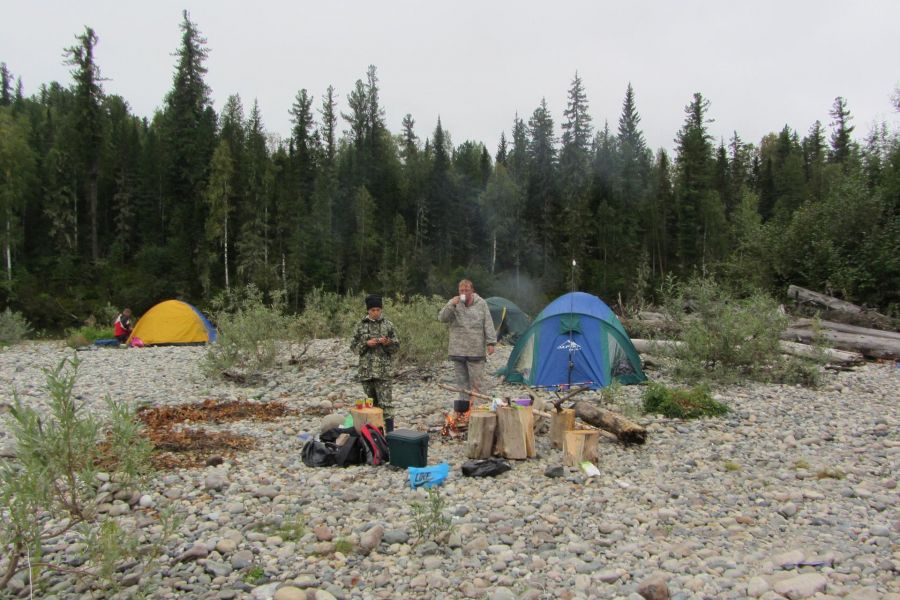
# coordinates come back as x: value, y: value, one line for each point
x: 374, y: 363
x: 471, y: 328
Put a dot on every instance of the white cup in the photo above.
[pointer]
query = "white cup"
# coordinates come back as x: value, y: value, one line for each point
x: 462, y: 298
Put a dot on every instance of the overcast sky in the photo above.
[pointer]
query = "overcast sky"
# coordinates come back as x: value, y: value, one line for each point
x: 762, y: 64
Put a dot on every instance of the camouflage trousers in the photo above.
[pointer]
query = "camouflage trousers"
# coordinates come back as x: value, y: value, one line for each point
x: 380, y: 391
x: 469, y: 375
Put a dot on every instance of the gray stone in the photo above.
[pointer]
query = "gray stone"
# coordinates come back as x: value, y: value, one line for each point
x: 290, y: 592
x: 801, y: 586
x: 242, y: 559
x: 371, y: 539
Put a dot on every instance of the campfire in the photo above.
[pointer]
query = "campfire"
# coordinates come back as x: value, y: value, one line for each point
x: 455, y: 423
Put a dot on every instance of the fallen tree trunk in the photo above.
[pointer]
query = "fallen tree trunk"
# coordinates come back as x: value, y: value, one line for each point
x: 626, y: 431
x: 842, y: 357
x: 844, y: 327
x: 868, y: 345
x: 810, y: 297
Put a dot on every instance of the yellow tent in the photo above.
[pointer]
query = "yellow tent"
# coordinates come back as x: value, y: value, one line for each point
x: 173, y: 322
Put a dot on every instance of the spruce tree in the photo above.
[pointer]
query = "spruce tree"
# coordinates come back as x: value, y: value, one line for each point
x: 543, y: 201
x: 700, y: 214
x: 189, y: 133
x: 841, y: 143
x: 502, y: 150
x: 814, y: 155
x: 88, y: 123
x: 574, y: 173
x: 329, y: 127
x: 304, y: 143
x: 5, y: 85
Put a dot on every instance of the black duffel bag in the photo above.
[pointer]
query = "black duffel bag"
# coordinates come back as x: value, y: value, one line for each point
x: 319, y: 454
x: 485, y: 468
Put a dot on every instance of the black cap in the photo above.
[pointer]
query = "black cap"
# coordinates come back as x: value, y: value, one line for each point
x: 373, y: 301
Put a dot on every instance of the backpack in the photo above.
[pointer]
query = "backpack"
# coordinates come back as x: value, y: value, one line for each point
x: 375, y: 445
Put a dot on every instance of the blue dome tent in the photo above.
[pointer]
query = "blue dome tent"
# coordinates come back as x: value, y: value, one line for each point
x: 575, y: 340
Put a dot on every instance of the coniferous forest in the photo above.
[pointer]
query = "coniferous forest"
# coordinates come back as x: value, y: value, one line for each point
x: 102, y: 206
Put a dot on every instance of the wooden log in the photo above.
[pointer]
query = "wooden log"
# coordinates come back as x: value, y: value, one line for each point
x: 867, y: 345
x: 480, y: 440
x: 838, y: 357
x: 844, y: 327
x: 580, y: 445
x: 560, y: 423
x: 626, y: 431
x: 654, y: 346
x: 363, y: 416
x: 810, y: 297
x: 511, y: 434
x: 842, y: 357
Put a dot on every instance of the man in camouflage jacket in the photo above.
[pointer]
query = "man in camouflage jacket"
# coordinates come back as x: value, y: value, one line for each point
x: 375, y: 341
x: 472, y: 336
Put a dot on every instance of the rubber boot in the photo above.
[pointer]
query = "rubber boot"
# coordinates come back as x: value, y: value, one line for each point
x: 388, y: 425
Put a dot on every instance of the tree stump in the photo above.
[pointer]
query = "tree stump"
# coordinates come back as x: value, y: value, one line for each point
x: 480, y: 437
x: 526, y: 416
x: 363, y: 416
x: 511, y: 433
x: 560, y: 423
x: 580, y: 445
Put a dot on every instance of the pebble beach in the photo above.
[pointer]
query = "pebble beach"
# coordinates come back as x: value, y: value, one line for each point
x: 792, y: 494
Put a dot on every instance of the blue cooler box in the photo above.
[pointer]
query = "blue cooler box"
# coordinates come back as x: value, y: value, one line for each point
x: 408, y: 448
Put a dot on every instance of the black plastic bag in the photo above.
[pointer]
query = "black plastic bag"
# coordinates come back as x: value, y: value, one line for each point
x: 319, y: 454
x: 485, y: 468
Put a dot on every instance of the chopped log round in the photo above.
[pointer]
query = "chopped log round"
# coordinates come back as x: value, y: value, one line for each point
x: 560, y: 423
x: 363, y: 416
x: 511, y: 434
x: 580, y: 445
x: 626, y: 431
x: 480, y: 437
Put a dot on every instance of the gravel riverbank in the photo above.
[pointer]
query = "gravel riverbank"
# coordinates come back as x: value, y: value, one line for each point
x: 793, y: 494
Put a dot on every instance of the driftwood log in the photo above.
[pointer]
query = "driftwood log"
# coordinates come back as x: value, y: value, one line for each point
x: 806, y: 296
x: 480, y: 436
x: 841, y: 357
x: 873, y: 346
x: 626, y: 431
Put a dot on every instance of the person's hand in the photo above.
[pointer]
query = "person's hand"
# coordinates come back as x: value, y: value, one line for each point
x: 385, y: 341
x: 372, y: 343
x: 454, y: 300
x: 490, y: 349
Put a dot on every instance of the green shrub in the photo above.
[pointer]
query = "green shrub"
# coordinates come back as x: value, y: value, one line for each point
x: 724, y: 337
x: 677, y: 403
x: 54, y: 475
x: 429, y: 521
x: 248, y: 329
x: 327, y: 314
x: 423, y: 339
x: 86, y: 335
x: 14, y: 327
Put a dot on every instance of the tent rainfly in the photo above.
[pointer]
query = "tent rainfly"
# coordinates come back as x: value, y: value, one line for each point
x: 173, y: 322
x: 575, y: 340
x: 509, y: 320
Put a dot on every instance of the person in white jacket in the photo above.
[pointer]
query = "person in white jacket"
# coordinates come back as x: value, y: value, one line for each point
x: 472, y: 338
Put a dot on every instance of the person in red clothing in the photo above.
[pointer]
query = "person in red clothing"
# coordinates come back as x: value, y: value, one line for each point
x: 123, y: 326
